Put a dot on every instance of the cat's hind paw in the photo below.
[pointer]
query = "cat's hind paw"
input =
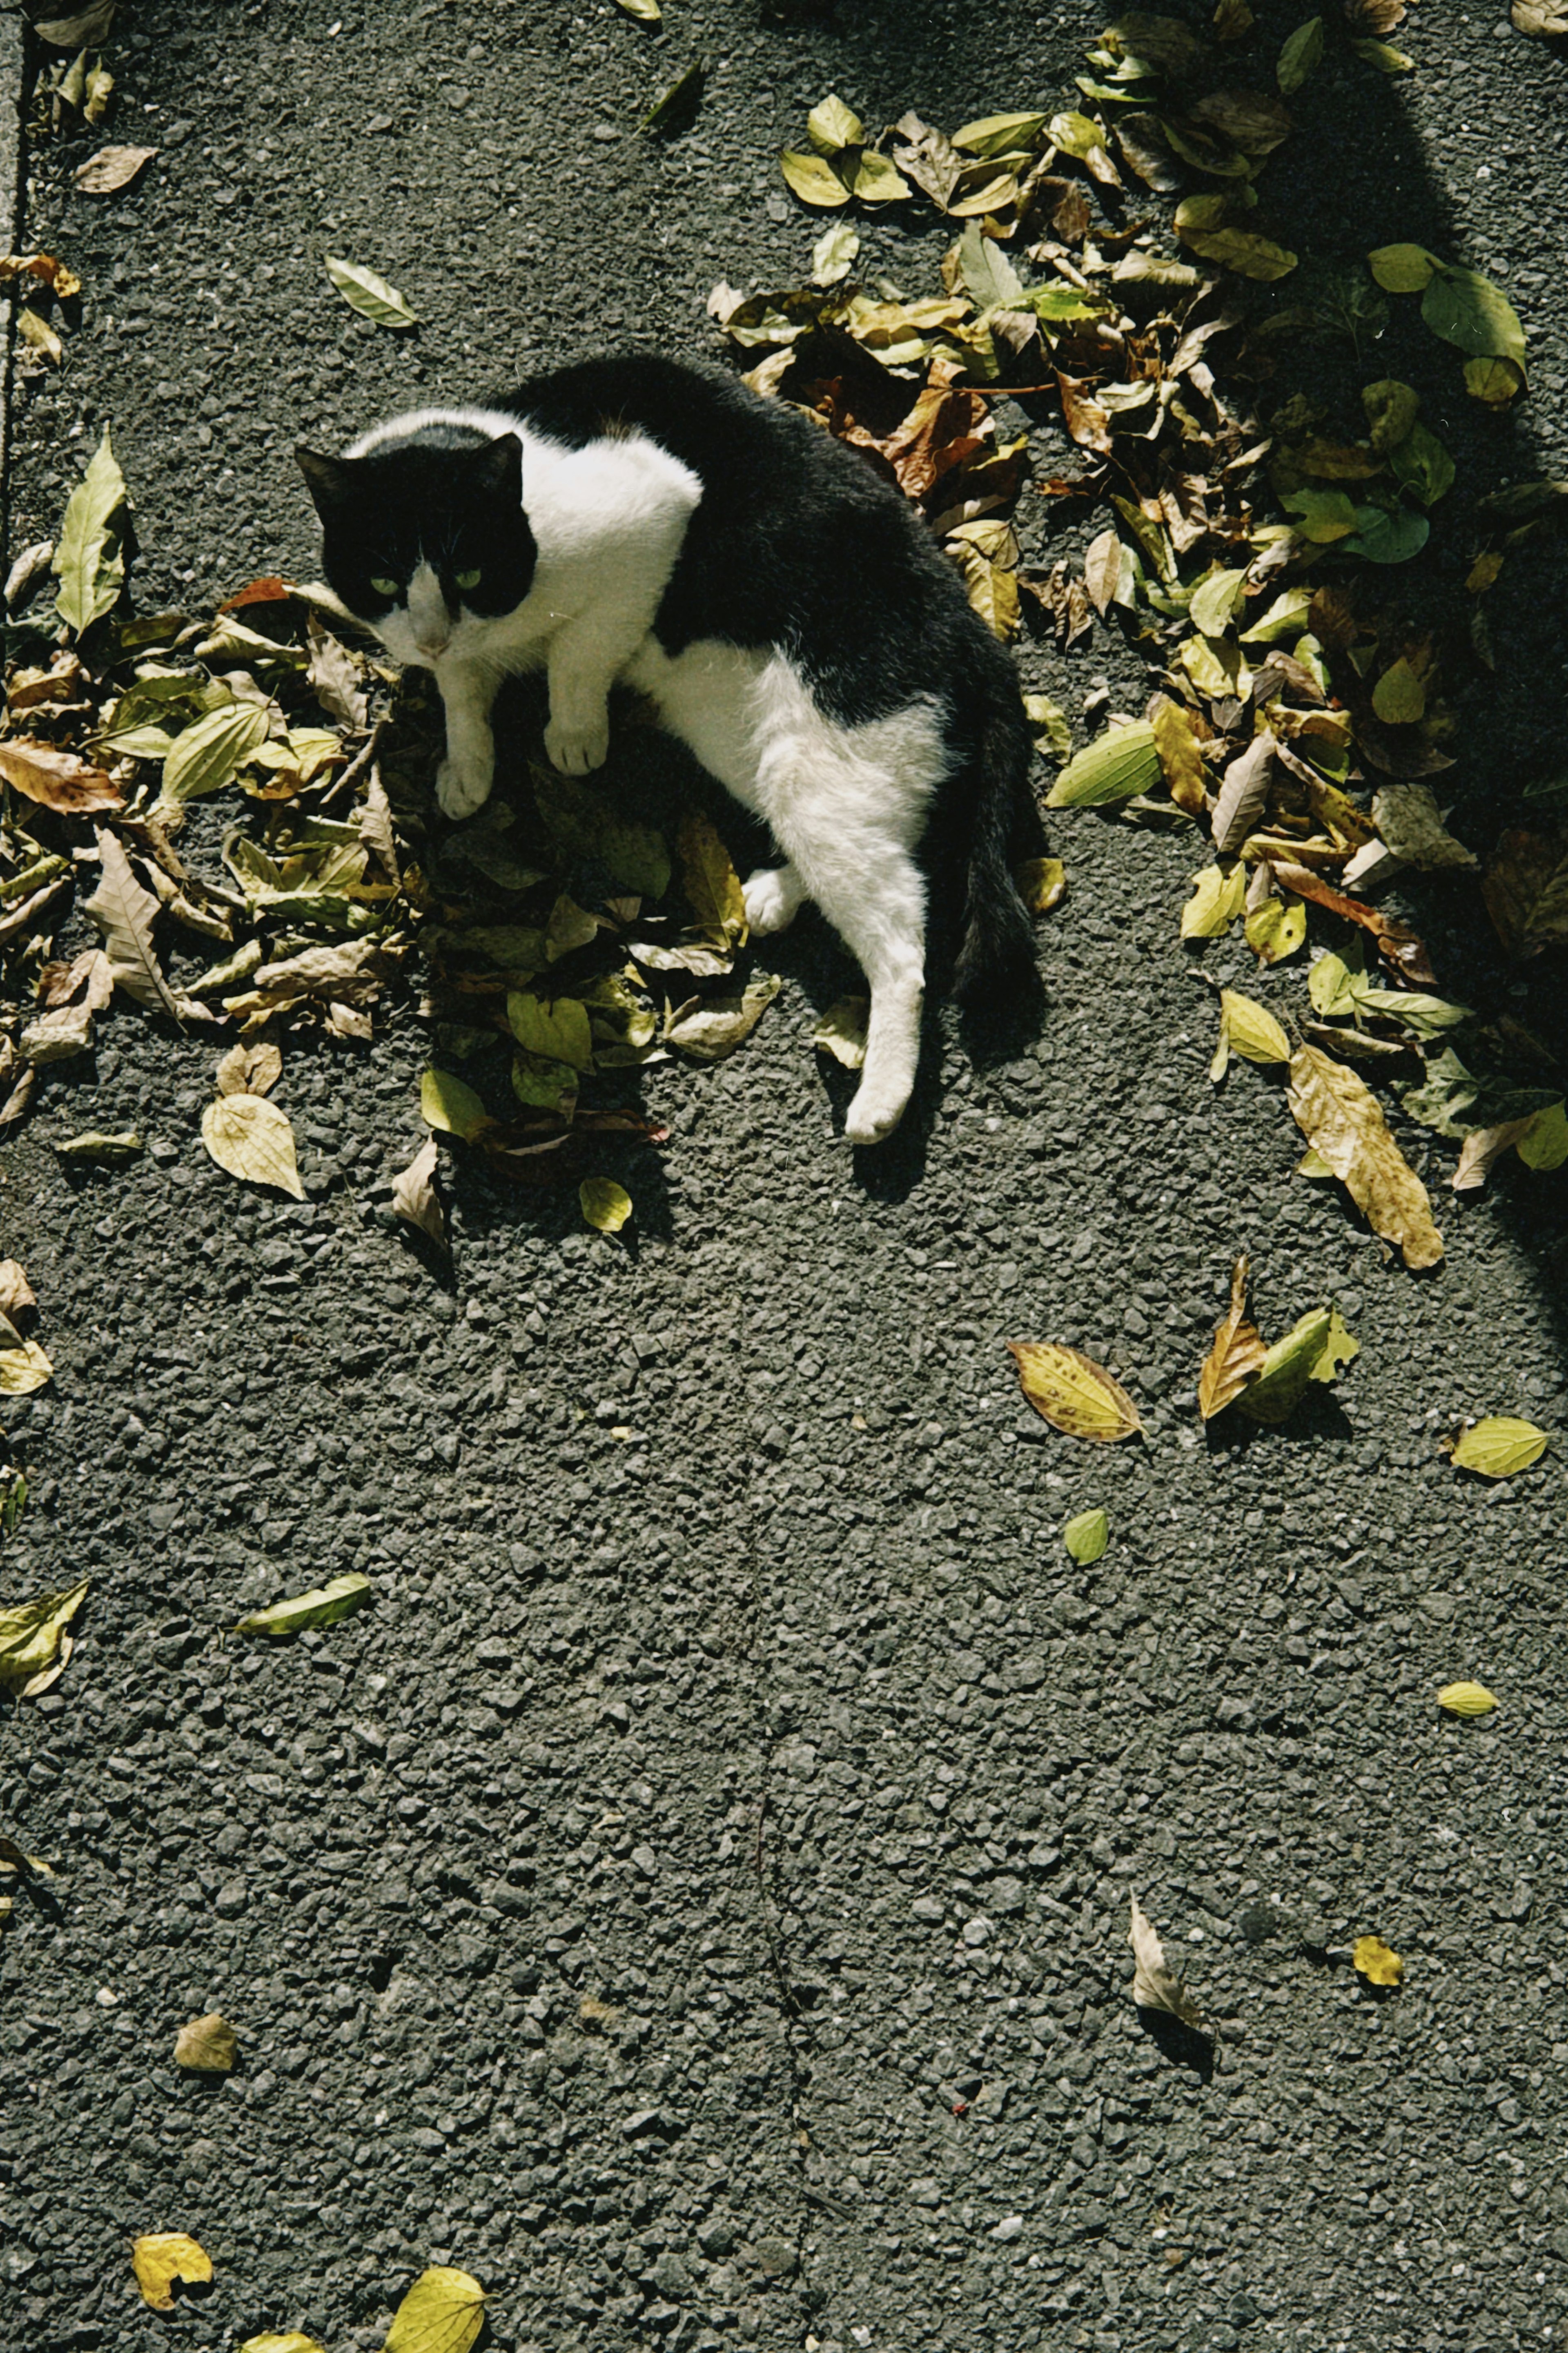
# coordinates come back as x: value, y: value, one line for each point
x: 573, y: 751
x: 875, y: 1111
x: 772, y: 897
x: 464, y: 786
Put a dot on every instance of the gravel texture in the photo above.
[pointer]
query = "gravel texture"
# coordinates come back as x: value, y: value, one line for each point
x: 694, y: 1896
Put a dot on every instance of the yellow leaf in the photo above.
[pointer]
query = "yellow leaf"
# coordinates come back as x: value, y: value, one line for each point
x: 1155, y: 1985
x: 1545, y: 1144
x: 1215, y: 666
x: 323, y: 1606
x: 841, y: 1031
x: 443, y: 2312
x: 1251, y: 1029
x: 558, y: 1030
x: 33, y: 1634
x: 1087, y: 1536
x: 252, y: 1139
x: 1467, y: 1698
x: 832, y: 125
x: 1342, y: 1121
x: 1402, y: 268
x: 647, y: 12
x: 208, y: 2044
x: 1236, y: 1354
x: 1243, y: 250
x: 876, y: 182
x: 1313, y: 1350
x: 1376, y: 1963
x: 1073, y: 1393
x: 1399, y: 697
x: 23, y: 1369
x: 1499, y: 1446
x: 451, y: 1104
x: 605, y: 1206
x: 291, y: 2342
x: 1217, y: 898
x: 813, y: 180
x: 712, y: 886
x: 1116, y: 766
x: 1180, y: 759
x: 160, y: 2259
x: 1312, y: 1164
x: 1495, y: 381
x: 1277, y: 928
x: 415, y: 1199
x: 1042, y: 884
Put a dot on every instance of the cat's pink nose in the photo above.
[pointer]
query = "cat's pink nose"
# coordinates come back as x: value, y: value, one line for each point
x: 431, y: 647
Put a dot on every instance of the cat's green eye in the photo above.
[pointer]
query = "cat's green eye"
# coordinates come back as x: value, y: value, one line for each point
x: 468, y: 579
x: 384, y: 587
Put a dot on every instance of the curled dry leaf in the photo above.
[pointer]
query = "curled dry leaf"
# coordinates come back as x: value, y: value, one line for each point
x: 841, y: 1031
x: 323, y: 1606
x: 1243, y: 793
x: 1344, y: 1123
x: 23, y: 1369
x: 716, y: 1028
x: 85, y: 30
x: 1074, y: 1394
x: 1467, y: 1698
x: 161, y: 2258
x: 1315, y: 1349
x: 58, y: 780
x: 1498, y: 1446
x: 33, y: 1636
x: 605, y: 1206
x: 415, y: 1198
x: 208, y: 2045
x: 443, y: 2312
x: 1155, y: 1985
x: 94, y: 1150
x: 1237, y: 1354
x: 249, y: 1071
x: 112, y: 168
x: 1376, y: 1963
x: 16, y: 1292
x: 253, y: 1140
x: 124, y: 914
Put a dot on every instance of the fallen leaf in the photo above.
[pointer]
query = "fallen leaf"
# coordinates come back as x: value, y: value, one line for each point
x: 124, y: 914
x: 1086, y: 1536
x: 1042, y: 884
x: 1102, y: 570
x: 1467, y: 1698
x: 90, y: 555
x: 1042, y: 712
x: 1116, y: 766
x: 833, y: 255
x: 111, y: 168
x: 1403, y: 269
x: 1315, y: 1349
x: 323, y: 1606
x: 1395, y: 942
x: 208, y: 2045
x: 208, y: 755
x: 334, y: 677
x: 1243, y: 250
x: 59, y: 780
x: 1074, y: 1394
x: 1219, y: 896
x: 370, y: 296
x: 1399, y: 697
x: 33, y: 1635
x: 584, y: 822
x: 1494, y: 381
x: 289, y: 2342
x: 813, y: 180
x: 1342, y: 1121
x: 1243, y: 793
x: 1483, y: 1147
x: 711, y: 885
x: 443, y: 2312
x: 111, y: 1151
x: 1236, y: 1354
x: 1277, y: 928
x: 17, y: 1293
x: 1249, y: 1030
x: 23, y: 1369
x: 841, y: 1031
x: 718, y: 1027
x: 1467, y: 310
x: 1155, y: 1986
x: 556, y: 1029
x: 1411, y: 824
x: 161, y: 2258
x: 647, y: 12
x: 452, y: 1105
x: 605, y: 1206
x: 82, y: 31
x: 1526, y: 891
x: 249, y: 1071
x: 36, y: 329
x: 253, y: 1140
x: 1498, y: 1446
x: 413, y: 1195
x: 1543, y: 19
x: 1374, y: 1961
x: 681, y: 95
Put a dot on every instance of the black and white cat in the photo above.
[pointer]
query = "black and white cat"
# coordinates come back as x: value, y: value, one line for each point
x: 638, y: 520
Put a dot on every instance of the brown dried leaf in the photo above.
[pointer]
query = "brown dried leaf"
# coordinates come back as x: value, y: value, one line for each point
x: 1396, y: 943
x: 124, y: 914
x: 1344, y: 1123
x: 16, y: 1292
x: 1526, y: 891
x: 112, y: 168
x: 208, y: 2045
x: 415, y: 1198
x: 1102, y: 570
x: 334, y: 675
x: 1237, y: 1354
x: 1155, y: 1986
x: 58, y: 780
x: 1244, y: 793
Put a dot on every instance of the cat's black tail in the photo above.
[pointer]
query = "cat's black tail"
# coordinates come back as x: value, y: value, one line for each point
x: 995, y: 960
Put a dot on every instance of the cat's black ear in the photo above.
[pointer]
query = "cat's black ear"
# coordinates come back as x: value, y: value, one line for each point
x: 328, y: 480
x: 498, y: 468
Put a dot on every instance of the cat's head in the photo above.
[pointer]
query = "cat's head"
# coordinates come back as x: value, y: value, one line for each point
x: 416, y: 537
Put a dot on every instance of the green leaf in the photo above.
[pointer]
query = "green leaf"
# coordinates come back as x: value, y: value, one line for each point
x: 1313, y: 1351
x: 583, y: 823
x: 831, y: 126
x: 89, y: 558
x: 558, y: 1031
x: 1336, y: 983
x: 1116, y: 766
x: 1421, y: 465
x: 679, y: 98
x: 987, y: 272
x: 1403, y: 269
x: 1544, y: 1144
x: 1086, y: 1536
x: 320, y: 1607
x: 1385, y: 537
x: 1243, y: 250
x: 813, y: 180
x: 1286, y: 616
x: 1468, y: 311
x: 1386, y: 59
x: 1322, y: 516
x: 1217, y: 601
x: 1428, y: 1016
x: 370, y: 296
x: 605, y: 1206
x: 1399, y: 698
x: 1000, y: 134
x: 452, y: 1105
x: 1301, y: 55
x: 209, y: 754
x: 1499, y: 1446
x: 1391, y: 411
x: 543, y: 1084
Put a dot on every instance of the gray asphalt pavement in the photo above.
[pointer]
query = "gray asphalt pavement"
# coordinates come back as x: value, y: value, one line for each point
x: 694, y: 1897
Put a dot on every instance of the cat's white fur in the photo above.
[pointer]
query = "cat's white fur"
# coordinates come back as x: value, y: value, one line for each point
x: 845, y: 805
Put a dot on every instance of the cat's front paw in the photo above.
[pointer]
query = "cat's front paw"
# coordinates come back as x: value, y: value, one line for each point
x: 772, y: 897
x: 875, y: 1111
x: 464, y: 786
x: 575, y: 749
